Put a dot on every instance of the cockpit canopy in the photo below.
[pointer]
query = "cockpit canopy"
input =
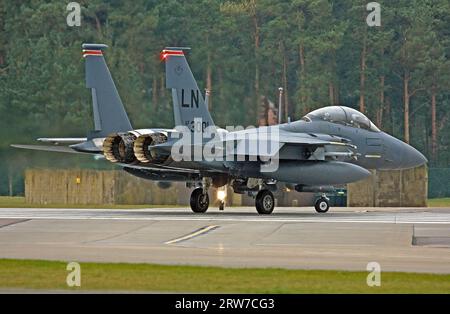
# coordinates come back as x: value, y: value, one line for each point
x: 342, y: 115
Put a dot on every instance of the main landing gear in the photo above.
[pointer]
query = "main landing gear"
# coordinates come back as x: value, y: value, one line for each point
x: 265, y: 202
x: 199, y: 200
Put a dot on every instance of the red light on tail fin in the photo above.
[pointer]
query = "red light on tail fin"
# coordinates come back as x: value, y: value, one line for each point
x: 166, y: 53
x: 92, y: 53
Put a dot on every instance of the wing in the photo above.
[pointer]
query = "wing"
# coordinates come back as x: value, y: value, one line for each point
x: 268, y: 142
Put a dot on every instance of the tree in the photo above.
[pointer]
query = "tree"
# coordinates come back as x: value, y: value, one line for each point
x: 410, y: 50
x: 320, y: 51
x: 250, y: 9
x: 435, y: 66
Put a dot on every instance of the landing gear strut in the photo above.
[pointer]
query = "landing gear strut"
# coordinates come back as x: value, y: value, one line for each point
x: 265, y: 202
x: 199, y: 201
x: 322, y: 205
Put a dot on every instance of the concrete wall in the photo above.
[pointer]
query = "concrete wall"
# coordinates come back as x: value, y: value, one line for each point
x: 391, y: 189
x: 69, y: 187
x: 384, y: 188
x: 105, y: 187
x: 83, y: 187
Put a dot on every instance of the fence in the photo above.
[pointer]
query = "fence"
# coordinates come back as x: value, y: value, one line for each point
x: 438, y: 182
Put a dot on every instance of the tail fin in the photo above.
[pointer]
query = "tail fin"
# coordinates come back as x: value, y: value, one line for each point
x: 109, y: 113
x: 188, y: 102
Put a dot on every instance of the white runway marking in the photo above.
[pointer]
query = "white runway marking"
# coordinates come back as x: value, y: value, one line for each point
x: 192, y: 234
x: 232, y: 215
x: 284, y: 239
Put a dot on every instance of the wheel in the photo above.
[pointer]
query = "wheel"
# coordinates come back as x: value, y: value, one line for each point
x: 322, y: 205
x: 265, y: 202
x: 199, y: 201
x: 221, y: 206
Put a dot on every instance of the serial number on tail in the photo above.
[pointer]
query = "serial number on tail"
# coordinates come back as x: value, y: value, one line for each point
x: 197, y: 126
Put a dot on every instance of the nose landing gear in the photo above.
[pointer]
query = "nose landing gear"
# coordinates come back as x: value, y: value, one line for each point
x: 322, y: 204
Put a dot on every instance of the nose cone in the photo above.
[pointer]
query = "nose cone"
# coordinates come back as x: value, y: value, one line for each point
x: 411, y: 157
x: 399, y: 155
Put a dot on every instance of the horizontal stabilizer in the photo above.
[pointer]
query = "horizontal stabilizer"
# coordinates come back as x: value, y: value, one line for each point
x: 62, y: 140
x: 59, y: 149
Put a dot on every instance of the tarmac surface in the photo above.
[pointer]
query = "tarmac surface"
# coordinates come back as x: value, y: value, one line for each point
x: 399, y: 239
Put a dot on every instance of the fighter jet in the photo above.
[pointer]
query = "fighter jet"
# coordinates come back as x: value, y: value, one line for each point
x: 330, y: 146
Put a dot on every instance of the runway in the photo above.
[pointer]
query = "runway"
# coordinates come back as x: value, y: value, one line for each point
x: 405, y: 239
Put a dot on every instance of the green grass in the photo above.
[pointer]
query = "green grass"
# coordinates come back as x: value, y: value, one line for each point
x: 30, y: 274
x: 8, y: 201
x: 19, y: 202
x: 439, y: 202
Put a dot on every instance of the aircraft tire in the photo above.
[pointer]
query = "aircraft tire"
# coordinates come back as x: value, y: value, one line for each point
x: 265, y: 202
x: 199, y: 201
x: 322, y: 205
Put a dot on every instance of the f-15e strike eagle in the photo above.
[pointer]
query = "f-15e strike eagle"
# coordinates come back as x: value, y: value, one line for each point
x: 330, y: 146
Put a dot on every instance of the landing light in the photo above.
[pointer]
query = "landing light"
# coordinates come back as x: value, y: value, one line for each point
x: 221, y: 195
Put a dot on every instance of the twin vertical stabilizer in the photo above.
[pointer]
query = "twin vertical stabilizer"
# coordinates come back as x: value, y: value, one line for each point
x: 188, y: 102
x: 109, y: 112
